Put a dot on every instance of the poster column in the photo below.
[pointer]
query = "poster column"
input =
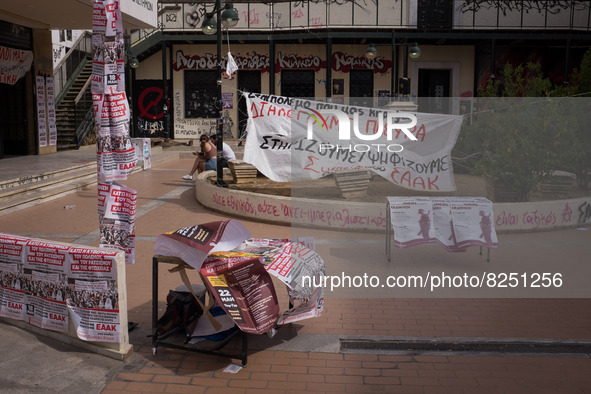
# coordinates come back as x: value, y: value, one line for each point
x: 116, y: 157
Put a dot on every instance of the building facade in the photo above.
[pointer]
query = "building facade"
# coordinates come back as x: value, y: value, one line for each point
x: 317, y: 49
x: 34, y: 36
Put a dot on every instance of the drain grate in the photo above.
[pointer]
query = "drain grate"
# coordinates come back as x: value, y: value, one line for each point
x: 489, y: 346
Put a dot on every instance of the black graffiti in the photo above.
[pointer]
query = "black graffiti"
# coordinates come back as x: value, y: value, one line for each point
x: 194, y: 17
x: 359, y: 3
x: 507, y: 6
x: 584, y: 212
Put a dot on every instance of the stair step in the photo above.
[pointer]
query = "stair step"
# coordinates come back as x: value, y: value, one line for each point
x: 19, y: 194
x: 44, y: 176
x: 35, y: 196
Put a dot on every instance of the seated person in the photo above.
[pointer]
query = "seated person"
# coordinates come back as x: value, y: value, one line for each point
x: 205, y: 160
x: 227, y: 152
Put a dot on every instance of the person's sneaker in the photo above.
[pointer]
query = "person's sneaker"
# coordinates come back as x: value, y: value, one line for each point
x: 187, y: 177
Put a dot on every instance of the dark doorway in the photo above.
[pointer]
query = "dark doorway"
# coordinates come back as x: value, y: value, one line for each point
x: 434, y: 89
x: 297, y: 83
x: 361, y: 88
x: 248, y: 81
x: 13, y: 119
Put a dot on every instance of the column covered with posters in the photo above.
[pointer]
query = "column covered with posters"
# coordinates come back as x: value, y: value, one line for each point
x: 116, y: 157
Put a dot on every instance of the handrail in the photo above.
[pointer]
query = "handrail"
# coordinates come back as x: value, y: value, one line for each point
x: 74, y: 45
x: 83, y: 90
x: 68, y: 66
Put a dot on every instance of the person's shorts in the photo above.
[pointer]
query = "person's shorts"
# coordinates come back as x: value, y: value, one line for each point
x: 211, y: 164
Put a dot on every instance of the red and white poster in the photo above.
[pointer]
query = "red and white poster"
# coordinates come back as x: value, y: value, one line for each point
x: 41, y: 111
x: 51, y: 127
x: 116, y: 208
x: 115, y: 153
x: 49, y: 284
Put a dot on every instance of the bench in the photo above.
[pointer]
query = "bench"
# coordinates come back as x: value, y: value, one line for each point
x: 242, y: 172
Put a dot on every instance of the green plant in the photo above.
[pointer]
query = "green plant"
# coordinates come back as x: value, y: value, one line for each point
x: 508, y: 139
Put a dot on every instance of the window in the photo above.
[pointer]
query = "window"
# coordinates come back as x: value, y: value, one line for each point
x: 361, y: 88
x: 201, y: 94
x: 297, y: 83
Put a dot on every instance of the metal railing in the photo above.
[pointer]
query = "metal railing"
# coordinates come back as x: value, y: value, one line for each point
x: 65, y: 71
x: 83, y: 113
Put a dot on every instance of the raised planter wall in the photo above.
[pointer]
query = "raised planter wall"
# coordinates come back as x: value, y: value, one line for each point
x: 330, y: 214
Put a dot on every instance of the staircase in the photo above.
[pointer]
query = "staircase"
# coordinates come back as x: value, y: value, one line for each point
x: 70, y: 112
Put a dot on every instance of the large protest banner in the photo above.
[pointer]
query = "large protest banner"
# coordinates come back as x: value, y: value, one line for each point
x: 14, y: 64
x: 297, y: 139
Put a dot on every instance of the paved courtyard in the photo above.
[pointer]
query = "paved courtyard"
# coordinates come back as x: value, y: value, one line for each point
x: 306, y: 356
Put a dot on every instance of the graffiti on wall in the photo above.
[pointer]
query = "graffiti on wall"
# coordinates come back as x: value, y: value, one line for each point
x: 189, y: 127
x: 526, y: 6
x: 253, y: 61
x: 149, y: 109
x: 558, y: 214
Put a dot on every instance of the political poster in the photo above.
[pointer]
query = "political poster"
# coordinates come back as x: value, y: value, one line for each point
x: 51, y: 285
x: 41, y: 111
x: 115, y: 153
x: 116, y: 208
x: 454, y: 222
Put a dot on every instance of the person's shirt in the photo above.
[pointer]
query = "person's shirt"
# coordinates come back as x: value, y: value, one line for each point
x: 211, y: 153
x: 227, y: 152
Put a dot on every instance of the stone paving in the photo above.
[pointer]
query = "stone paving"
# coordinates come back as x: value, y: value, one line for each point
x: 305, y: 356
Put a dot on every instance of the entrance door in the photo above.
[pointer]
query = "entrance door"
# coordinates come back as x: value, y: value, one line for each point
x: 13, y: 115
x: 434, y: 88
x: 361, y: 88
x: 248, y: 81
x: 297, y: 83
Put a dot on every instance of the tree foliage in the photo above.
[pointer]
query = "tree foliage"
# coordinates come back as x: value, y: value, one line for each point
x: 525, y: 128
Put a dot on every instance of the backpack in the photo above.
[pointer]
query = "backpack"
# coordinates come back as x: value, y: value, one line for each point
x: 182, y: 313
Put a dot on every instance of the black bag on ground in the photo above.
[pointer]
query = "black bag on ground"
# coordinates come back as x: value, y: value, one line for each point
x: 182, y: 313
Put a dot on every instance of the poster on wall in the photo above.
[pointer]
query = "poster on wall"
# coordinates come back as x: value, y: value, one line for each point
x: 51, y: 285
x: 41, y: 111
x: 149, y: 107
x: 52, y: 129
